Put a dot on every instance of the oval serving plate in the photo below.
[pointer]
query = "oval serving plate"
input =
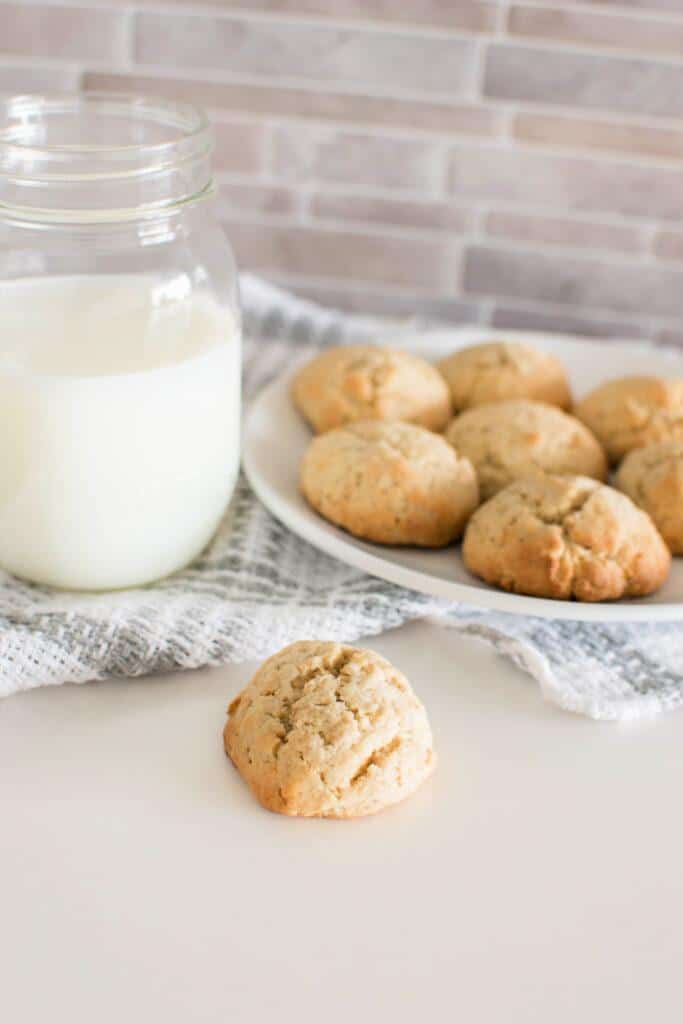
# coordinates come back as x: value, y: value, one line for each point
x: 275, y: 437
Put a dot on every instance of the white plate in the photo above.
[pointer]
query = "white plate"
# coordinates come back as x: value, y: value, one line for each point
x: 275, y: 438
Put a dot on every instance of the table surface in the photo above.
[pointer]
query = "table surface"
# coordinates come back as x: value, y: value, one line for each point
x: 536, y: 877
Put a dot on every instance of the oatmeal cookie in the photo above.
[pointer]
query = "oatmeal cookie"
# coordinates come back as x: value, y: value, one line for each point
x: 328, y: 730
x: 566, y: 537
x: 370, y: 382
x: 498, y: 370
x: 392, y: 483
x: 510, y: 440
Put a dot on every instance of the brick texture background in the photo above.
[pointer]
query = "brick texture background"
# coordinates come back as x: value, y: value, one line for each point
x: 519, y: 164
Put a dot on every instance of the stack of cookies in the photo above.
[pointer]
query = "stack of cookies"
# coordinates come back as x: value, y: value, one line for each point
x: 484, y: 444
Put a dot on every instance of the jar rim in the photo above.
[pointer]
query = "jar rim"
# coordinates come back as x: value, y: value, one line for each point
x: 58, y: 151
x: 192, y: 121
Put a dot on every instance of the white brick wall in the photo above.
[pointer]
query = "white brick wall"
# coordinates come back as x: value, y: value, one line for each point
x: 512, y: 163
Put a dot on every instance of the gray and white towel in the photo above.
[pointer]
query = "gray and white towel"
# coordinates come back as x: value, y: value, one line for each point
x: 258, y: 587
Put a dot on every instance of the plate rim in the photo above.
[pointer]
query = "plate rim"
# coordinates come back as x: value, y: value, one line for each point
x: 333, y: 541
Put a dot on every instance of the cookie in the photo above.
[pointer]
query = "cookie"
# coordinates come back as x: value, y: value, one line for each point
x: 392, y: 483
x: 369, y: 382
x: 510, y: 440
x: 653, y: 478
x: 499, y: 370
x: 633, y: 412
x: 566, y: 537
x: 327, y: 730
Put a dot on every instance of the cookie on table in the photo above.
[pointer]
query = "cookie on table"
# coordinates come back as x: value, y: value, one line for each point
x: 510, y: 440
x: 633, y: 412
x: 391, y: 483
x: 653, y: 478
x: 498, y: 370
x: 370, y: 382
x: 566, y: 537
x: 328, y: 730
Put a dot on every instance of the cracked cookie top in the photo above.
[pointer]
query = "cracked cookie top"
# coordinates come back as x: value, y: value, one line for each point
x: 370, y: 382
x: 391, y: 483
x: 653, y: 478
x: 511, y: 440
x: 498, y: 370
x: 328, y: 730
x: 566, y: 537
x: 633, y: 412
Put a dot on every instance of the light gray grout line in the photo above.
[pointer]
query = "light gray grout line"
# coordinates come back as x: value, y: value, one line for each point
x: 480, y: 56
x: 214, y: 76
x: 129, y: 28
x: 646, y: 234
x: 605, y: 255
x: 26, y: 61
x: 616, y: 11
x: 439, y: 238
x: 305, y: 214
x: 341, y: 87
x: 507, y: 118
x: 481, y: 213
x: 588, y: 254
x: 476, y: 236
x: 598, y: 114
x: 388, y: 129
x: 487, y: 307
x: 359, y: 127
x: 71, y: 65
x: 466, y: 202
x: 458, y: 255
x: 522, y: 42
x: 441, y: 171
x: 357, y: 289
x: 650, y: 234
x: 458, y: 139
x: 268, y: 155
x: 562, y: 111
x: 502, y: 19
x: 588, y: 313
x: 383, y: 290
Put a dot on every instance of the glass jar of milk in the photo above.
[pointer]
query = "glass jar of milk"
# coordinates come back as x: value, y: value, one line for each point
x: 119, y: 341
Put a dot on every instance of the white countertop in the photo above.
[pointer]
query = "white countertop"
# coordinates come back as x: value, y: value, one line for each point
x: 536, y: 877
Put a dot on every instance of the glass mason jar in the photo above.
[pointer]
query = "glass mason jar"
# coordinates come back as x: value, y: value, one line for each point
x: 119, y: 341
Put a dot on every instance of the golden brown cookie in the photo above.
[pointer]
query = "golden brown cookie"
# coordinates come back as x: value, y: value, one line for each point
x: 498, y: 370
x: 507, y: 441
x: 566, y: 537
x: 327, y: 730
x: 653, y: 478
x: 369, y: 382
x: 392, y: 483
x: 633, y: 412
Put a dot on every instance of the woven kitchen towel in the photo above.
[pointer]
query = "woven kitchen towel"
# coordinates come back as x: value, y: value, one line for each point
x: 258, y: 587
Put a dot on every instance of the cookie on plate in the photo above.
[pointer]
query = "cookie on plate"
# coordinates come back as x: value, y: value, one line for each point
x: 506, y: 441
x: 653, y: 478
x: 392, y: 483
x: 370, y: 382
x: 328, y: 730
x: 498, y: 370
x: 566, y: 537
x: 633, y: 412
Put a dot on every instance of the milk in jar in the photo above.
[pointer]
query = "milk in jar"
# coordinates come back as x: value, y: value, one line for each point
x: 119, y: 439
